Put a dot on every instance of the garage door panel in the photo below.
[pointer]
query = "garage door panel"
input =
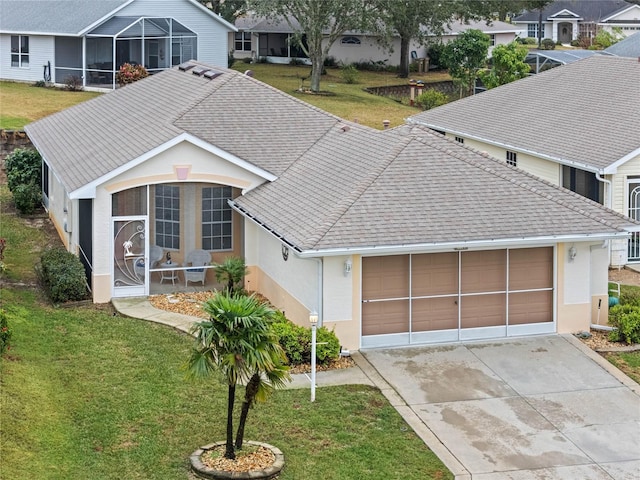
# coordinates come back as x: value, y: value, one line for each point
x: 385, y: 277
x: 483, y: 310
x: 429, y: 314
x: 483, y: 271
x: 530, y: 307
x: 434, y: 274
x: 531, y: 268
x: 380, y: 318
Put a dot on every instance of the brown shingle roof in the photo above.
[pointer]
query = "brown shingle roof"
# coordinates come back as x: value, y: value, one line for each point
x: 586, y: 113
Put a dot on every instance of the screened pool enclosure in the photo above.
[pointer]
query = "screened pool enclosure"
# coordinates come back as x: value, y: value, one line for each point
x: 155, y: 43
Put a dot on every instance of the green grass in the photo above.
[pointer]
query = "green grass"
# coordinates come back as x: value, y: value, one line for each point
x: 22, y: 103
x: 628, y: 362
x: 348, y: 101
x: 89, y: 394
x: 86, y: 394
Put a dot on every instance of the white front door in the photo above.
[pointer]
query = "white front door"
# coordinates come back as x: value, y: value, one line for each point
x: 634, y: 212
x: 130, y: 269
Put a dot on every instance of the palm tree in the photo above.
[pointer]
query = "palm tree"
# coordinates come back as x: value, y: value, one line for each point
x: 231, y: 272
x: 238, y: 342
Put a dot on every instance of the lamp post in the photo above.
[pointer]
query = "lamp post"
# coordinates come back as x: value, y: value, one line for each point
x: 313, y: 320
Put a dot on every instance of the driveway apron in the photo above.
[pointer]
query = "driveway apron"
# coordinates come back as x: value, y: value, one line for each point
x: 525, y: 408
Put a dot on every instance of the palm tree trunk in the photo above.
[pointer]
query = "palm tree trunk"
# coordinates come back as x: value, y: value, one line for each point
x: 249, y: 397
x: 229, y: 450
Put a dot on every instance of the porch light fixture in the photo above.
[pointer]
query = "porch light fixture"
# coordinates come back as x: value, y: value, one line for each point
x: 313, y: 320
x: 572, y: 253
x: 347, y: 267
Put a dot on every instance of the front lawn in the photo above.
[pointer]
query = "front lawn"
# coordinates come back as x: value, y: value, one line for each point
x: 86, y: 394
x: 22, y: 103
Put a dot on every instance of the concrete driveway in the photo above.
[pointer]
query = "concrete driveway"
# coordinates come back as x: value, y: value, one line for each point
x: 527, y: 408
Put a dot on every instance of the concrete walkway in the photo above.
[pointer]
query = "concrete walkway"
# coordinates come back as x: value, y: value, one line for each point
x: 534, y: 408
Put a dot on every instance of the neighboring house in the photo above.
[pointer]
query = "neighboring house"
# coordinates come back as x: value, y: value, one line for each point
x: 628, y: 47
x: 260, y: 37
x: 576, y: 126
x: 393, y: 236
x: 567, y: 20
x: 55, y: 40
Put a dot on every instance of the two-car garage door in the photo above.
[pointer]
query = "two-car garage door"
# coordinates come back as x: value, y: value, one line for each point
x: 439, y: 297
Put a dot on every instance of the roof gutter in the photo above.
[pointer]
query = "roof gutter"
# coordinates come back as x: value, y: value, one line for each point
x: 461, y: 246
x: 561, y: 161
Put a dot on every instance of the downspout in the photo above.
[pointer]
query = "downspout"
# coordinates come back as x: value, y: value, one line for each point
x: 609, y: 204
x: 320, y: 291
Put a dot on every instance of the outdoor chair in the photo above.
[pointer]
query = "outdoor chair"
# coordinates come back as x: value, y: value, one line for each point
x: 155, y: 255
x: 200, y: 259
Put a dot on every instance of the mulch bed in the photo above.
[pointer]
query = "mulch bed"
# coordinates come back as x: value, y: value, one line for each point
x: 247, y: 460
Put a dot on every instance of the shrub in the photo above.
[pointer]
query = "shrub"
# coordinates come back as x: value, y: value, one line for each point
x: 626, y: 319
x: 530, y: 41
x: 23, y: 166
x: 349, y: 74
x: 296, y: 61
x: 231, y: 59
x: 62, y: 276
x: 129, y: 73
x: 435, y: 54
x: 371, y: 66
x: 296, y: 342
x: 40, y: 83
x: 73, y: 83
x: 231, y: 272
x: 27, y: 197
x: 548, y: 44
x: 5, y: 332
x: 247, y: 60
x: 629, y: 296
x: 330, y: 61
x: 431, y: 98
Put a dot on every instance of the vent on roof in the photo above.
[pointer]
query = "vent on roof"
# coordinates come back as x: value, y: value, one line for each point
x: 199, y: 70
x: 183, y: 67
x: 211, y: 74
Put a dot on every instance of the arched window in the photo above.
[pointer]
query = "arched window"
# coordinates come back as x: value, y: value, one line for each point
x: 350, y: 40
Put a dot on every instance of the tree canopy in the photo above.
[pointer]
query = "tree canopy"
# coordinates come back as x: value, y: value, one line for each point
x: 319, y: 22
x: 507, y: 65
x: 465, y: 56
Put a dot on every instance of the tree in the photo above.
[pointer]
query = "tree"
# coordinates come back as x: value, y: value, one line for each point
x: 227, y: 9
x: 319, y: 22
x: 238, y: 342
x: 507, y: 65
x: 420, y: 20
x: 465, y: 56
x: 231, y: 272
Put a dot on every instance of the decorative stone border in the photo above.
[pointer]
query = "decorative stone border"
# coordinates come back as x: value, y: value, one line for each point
x: 202, y: 471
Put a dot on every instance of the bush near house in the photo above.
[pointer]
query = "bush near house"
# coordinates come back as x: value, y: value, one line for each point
x: 625, y: 318
x: 5, y: 332
x: 24, y: 167
x: 296, y: 342
x: 431, y: 98
x: 129, y: 73
x: 27, y: 197
x: 62, y: 276
x: 547, y: 44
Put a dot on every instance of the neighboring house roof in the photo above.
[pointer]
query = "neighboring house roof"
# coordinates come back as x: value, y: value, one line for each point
x: 589, y: 11
x: 585, y: 114
x: 66, y: 17
x: 563, y: 56
x: 55, y: 17
x: 336, y: 186
x: 492, y: 28
x: 230, y: 111
x: 628, y: 47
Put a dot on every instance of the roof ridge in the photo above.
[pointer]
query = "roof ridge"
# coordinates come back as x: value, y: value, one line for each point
x: 360, y: 188
x: 216, y: 84
x: 487, y: 168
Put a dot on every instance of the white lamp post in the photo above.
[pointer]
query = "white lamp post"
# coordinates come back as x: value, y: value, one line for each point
x: 313, y: 320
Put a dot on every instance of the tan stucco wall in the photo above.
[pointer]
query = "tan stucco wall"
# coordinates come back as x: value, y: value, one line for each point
x: 549, y: 171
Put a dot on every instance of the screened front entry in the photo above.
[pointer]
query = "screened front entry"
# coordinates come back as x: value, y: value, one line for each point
x: 158, y: 231
x: 442, y: 297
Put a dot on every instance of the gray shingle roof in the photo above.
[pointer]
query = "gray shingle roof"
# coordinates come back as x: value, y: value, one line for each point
x: 589, y: 10
x: 339, y: 185
x: 628, y: 47
x: 370, y: 189
x: 586, y: 113
x: 233, y: 111
x: 65, y: 17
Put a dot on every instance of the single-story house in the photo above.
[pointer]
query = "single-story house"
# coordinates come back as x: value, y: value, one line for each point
x: 271, y: 39
x: 566, y: 20
x: 393, y: 237
x: 575, y: 126
x: 88, y: 41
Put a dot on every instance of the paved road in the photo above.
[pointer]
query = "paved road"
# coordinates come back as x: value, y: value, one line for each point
x: 529, y: 408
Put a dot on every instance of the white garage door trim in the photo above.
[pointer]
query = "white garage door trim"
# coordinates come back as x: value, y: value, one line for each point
x: 464, y: 334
